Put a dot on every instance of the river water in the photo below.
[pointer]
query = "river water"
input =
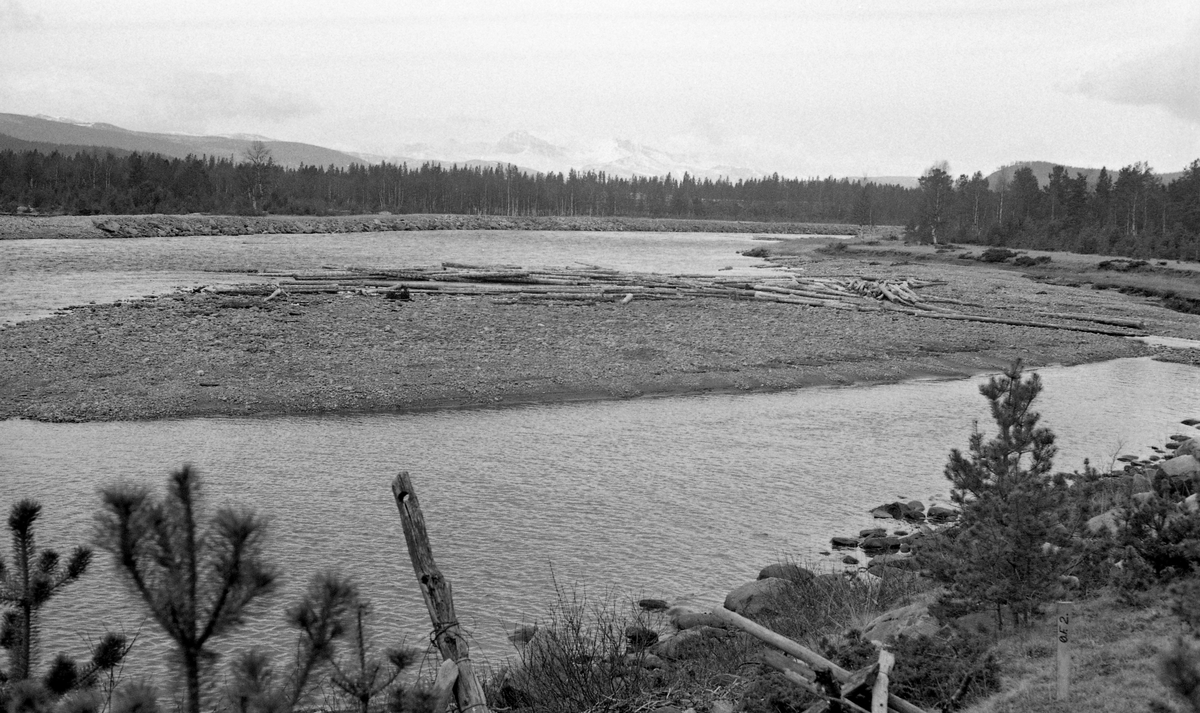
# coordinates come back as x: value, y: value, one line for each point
x: 679, y: 498
x: 40, y: 276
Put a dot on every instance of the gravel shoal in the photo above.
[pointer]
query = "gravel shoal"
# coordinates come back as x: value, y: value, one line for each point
x: 202, y: 354
x: 207, y: 354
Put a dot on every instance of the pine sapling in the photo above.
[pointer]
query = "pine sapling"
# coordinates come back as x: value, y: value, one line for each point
x: 197, y: 580
x: 36, y: 577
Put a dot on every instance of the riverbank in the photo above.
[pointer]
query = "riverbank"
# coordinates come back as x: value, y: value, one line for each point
x: 13, y: 227
x: 205, y: 354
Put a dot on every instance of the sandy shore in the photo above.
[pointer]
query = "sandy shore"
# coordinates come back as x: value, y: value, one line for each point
x: 205, y: 354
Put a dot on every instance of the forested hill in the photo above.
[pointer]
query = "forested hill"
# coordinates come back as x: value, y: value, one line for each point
x: 1132, y: 212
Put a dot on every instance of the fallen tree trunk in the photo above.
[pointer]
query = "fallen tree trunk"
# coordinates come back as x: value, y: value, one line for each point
x: 1023, y: 323
x: 812, y: 659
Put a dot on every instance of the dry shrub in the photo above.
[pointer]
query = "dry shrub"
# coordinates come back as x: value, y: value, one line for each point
x: 833, y: 602
x: 578, y: 659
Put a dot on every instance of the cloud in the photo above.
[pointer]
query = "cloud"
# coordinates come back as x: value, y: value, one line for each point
x: 195, y: 100
x: 1168, y: 79
x: 15, y: 18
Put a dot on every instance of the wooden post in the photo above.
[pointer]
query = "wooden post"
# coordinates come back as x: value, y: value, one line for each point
x: 808, y: 656
x: 447, y: 635
x: 879, y: 694
x: 1064, y: 649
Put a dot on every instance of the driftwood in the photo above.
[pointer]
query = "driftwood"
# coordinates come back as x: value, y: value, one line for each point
x: 879, y: 691
x: 833, y: 694
x: 809, y: 657
x: 590, y: 284
x: 1022, y: 323
x: 435, y: 589
x: 1114, y: 321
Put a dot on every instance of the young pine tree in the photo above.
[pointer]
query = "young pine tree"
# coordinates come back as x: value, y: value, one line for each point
x: 197, y: 579
x: 320, y: 619
x: 37, y: 576
x: 1006, y: 550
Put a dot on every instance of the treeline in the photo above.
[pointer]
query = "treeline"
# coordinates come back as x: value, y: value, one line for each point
x: 91, y: 183
x: 1132, y: 213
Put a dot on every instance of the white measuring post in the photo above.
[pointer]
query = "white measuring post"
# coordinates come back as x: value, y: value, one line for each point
x: 1064, y: 649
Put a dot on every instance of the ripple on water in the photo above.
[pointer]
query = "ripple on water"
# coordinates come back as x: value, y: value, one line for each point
x: 677, y: 497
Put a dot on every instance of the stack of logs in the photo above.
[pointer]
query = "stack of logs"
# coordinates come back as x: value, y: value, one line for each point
x: 592, y: 284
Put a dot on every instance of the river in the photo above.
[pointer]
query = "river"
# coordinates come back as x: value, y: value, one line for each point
x: 682, y: 498
x: 40, y: 276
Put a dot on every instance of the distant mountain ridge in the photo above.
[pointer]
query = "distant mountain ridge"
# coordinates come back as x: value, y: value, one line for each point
x: 43, y: 130
x: 1042, y: 169
x: 525, y: 151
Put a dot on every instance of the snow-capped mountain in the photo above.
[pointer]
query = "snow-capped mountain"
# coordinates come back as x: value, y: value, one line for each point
x: 617, y: 157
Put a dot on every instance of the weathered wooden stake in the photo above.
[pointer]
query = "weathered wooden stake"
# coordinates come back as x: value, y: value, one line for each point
x: 1064, y: 649
x: 435, y: 589
x: 879, y: 694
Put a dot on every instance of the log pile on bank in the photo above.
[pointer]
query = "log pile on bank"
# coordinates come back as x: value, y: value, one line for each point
x: 582, y: 284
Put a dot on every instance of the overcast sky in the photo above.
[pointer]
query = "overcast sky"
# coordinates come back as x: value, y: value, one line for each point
x: 878, y: 87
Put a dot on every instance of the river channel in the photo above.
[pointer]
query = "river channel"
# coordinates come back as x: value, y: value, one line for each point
x: 680, y: 498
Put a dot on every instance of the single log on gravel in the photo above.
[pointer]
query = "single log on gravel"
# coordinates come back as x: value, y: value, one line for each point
x: 1025, y: 323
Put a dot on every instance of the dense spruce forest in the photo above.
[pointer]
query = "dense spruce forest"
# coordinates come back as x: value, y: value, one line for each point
x: 1132, y: 212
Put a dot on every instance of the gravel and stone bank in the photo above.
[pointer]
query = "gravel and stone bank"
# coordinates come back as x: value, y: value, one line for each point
x: 205, y: 354
x: 141, y: 226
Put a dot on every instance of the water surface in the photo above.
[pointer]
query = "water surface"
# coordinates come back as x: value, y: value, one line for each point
x: 673, y: 497
x: 39, y: 276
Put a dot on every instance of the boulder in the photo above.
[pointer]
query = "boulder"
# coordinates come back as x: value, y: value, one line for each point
x: 523, y: 634
x: 646, y: 660
x: 653, y: 604
x: 849, y: 560
x: 1106, y: 520
x: 873, y: 532
x: 1181, y: 467
x: 689, y: 642
x: 762, y: 596
x: 911, y: 621
x: 880, y: 544
x: 845, y: 542
x: 639, y: 637
x: 1140, y: 484
x: 894, y: 511
x: 1190, y: 447
x: 938, y: 513
x: 785, y: 570
x: 915, y: 506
